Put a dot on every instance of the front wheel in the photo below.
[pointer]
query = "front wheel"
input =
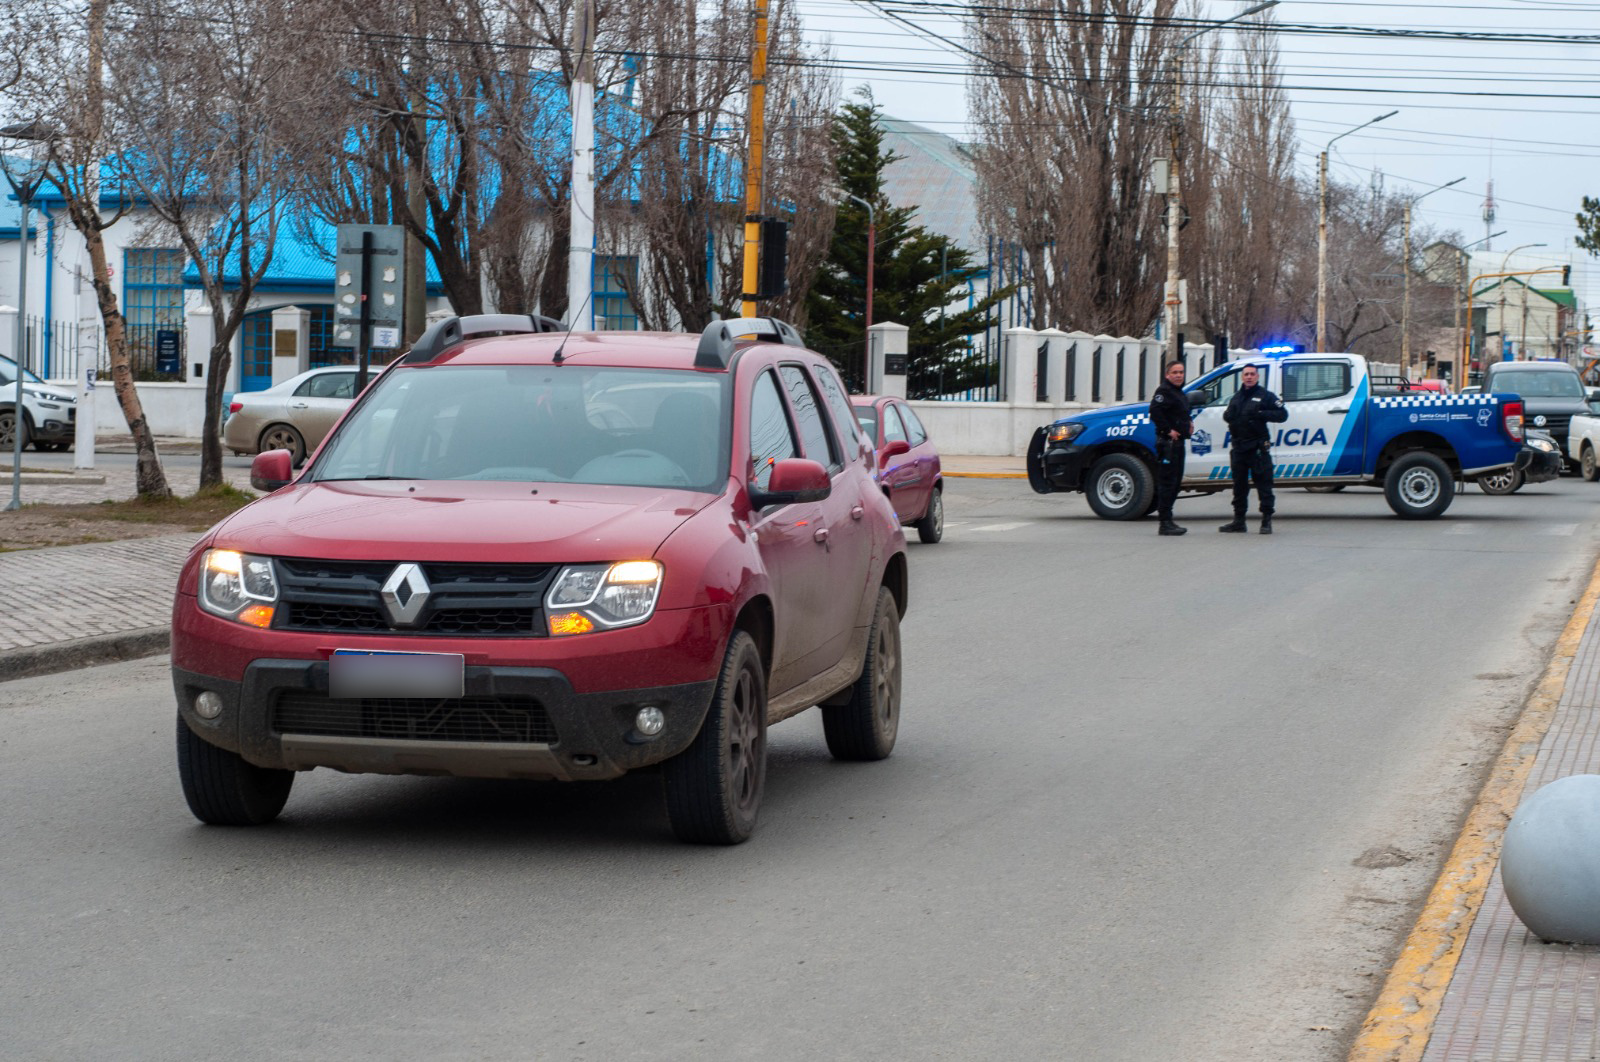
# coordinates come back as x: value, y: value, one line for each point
x: 1588, y: 467
x: 865, y: 727
x: 1121, y: 487
x: 223, y: 789
x: 931, y: 527
x: 713, y: 787
x: 1419, y: 486
x: 8, y: 428
x: 1506, y: 481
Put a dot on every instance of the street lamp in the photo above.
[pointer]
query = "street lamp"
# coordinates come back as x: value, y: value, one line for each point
x: 1174, y: 199
x: 1500, y: 323
x: 23, y: 188
x: 1463, y: 347
x: 1405, y: 308
x: 872, y: 242
x: 1322, y: 229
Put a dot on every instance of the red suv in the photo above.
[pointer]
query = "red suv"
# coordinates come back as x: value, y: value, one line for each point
x: 524, y: 554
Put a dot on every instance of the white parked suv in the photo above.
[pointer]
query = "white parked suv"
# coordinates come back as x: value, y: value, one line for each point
x: 49, y: 411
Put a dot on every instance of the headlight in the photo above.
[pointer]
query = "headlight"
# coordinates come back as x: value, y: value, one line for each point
x: 1543, y: 444
x: 1066, y: 432
x: 238, y: 586
x: 589, y: 596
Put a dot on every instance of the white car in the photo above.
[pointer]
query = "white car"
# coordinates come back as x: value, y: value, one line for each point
x: 49, y: 411
x: 295, y: 415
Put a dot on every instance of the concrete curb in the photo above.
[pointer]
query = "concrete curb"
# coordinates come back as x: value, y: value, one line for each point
x: 84, y: 652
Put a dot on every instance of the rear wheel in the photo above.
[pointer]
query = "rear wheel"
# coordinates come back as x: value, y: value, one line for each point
x: 223, y: 789
x: 8, y: 428
x: 1588, y: 467
x: 1121, y: 487
x: 1419, y: 486
x: 865, y: 727
x: 284, y: 437
x: 1507, y: 481
x: 931, y: 527
x: 713, y: 787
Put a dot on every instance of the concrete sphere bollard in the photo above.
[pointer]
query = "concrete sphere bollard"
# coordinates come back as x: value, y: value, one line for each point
x: 1550, y: 862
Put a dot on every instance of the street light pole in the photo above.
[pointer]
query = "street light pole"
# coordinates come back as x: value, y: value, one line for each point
x: 1322, y: 229
x: 1174, y: 187
x: 1463, y: 348
x: 24, y: 190
x: 1405, y: 310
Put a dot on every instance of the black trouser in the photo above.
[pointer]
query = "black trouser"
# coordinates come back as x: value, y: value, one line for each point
x: 1169, y: 475
x: 1256, y: 463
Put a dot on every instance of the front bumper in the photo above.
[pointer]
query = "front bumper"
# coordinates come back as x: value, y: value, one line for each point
x: 1541, y: 466
x: 53, y: 425
x: 514, y: 722
x: 1064, y: 466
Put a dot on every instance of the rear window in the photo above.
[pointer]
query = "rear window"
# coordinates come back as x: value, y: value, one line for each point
x: 1538, y: 383
x: 544, y: 423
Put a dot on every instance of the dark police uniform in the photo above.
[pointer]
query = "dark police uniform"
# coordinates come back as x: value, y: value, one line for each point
x: 1247, y: 415
x: 1169, y: 412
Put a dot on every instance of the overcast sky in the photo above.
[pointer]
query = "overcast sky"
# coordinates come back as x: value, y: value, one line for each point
x: 1522, y: 113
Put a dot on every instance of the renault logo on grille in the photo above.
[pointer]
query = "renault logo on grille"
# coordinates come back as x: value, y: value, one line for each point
x: 404, y: 594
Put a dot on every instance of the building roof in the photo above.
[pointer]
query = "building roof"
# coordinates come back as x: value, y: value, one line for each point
x: 1559, y: 296
x: 935, y: 175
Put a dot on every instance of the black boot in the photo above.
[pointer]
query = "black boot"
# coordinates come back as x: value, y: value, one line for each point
x: 1266, y: 523
x: 1168, y: 527
x: 1237, y: 525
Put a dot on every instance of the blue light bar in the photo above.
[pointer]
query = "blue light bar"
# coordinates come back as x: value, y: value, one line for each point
x: 1285, y: 349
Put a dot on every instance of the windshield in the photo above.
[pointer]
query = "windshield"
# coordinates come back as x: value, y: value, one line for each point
x: 8, y: 373
x: 538, y: 423
x: 1539, y: 383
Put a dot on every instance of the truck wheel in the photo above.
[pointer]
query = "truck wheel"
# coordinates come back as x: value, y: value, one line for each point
x: 1588, y: 467
x: 1507, y: 482
x: 223, y: 789
x: 1121, y: 487
x: 713, y: 787
x: 1419, y: 486
x: 931, y: 527
x: 866, y: 726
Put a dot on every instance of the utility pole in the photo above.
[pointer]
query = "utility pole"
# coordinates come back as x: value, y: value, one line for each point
x: 1174, y: 184
x: 872, y: 254
x: 1322, y: 230
x: 1405, y: 311
x: 413, y: 319
x: 580, y: 245
x: 752, y: 169
x: 1464, y: 348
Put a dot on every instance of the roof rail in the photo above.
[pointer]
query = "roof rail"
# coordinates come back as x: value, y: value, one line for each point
x: 717, y: 341
x: 452, y: 330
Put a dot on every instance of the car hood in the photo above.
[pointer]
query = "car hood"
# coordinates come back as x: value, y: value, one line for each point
x: 425, y: 520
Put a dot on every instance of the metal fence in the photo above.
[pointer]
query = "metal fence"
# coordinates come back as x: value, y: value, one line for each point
x: 63, y: 350
x: 970, y: 375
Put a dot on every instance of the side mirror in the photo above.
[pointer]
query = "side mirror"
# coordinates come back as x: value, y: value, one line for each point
x: 271, y: 470
x: 894, y: 449
x: 1197, y: 399
x: 794, y: 479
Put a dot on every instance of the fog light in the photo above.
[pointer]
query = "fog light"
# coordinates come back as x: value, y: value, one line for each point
x: 208, y: 705
x: 650, y: 721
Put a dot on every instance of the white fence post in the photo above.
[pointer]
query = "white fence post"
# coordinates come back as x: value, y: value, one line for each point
x: 1019, y: 365
x: 887, y: 344
x: 291, y: 342
x: 1055, y: 365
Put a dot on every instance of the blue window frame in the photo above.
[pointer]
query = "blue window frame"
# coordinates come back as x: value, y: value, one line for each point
x: 323, y: 352
x: 255, y: 352
x: 613, y: 310
x: 152, y: 287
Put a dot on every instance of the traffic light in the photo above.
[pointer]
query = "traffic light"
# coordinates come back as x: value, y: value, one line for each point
x: 773, y: 280
x: 1566, y: 276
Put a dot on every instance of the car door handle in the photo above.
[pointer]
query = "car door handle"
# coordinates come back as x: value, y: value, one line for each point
x: 299, y: 405
x: 857, y: 512
x: 820, y: 535
x: 1338, y: 410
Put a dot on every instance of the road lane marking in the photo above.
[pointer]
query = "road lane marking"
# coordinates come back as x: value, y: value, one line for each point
x: 1400, y: 1023
x: 1560, y: 529
x: 1002, y: 527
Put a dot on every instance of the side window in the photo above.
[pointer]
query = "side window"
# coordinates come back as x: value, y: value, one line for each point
x: 867, y: 417
x: 915, y: 432
x: 892, y: 428
x: 1219, y: 391
x: 1315, y: 380
x: 771, y: 438
x: 808, y: 415
x: 328, y: 385
x: 844, y: 417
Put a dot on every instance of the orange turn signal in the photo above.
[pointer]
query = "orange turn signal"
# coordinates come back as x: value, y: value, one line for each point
x: 257, y: 616
x: 570, y: 623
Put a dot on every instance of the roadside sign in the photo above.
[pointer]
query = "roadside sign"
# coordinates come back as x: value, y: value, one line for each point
x: 168, y: 358
x: 379, y: 281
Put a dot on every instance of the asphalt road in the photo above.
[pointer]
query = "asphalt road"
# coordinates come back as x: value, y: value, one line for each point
x: 1153, y: 799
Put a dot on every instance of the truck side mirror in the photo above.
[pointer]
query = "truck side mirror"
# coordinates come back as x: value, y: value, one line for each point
x: 1197, y: 399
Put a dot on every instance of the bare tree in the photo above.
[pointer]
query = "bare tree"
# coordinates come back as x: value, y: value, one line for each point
x: 1072, y: 110
x: 217, y: 104
x: 61, y: 91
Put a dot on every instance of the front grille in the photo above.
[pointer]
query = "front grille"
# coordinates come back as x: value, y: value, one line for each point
x: 502, y: 720
x: 471, y: 600
x: 1554, y: 423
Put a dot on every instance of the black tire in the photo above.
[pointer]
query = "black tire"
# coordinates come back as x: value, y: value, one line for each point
x: 1326, y: 488
x: 931, y: 527
x: 284, y: 437
x: 866, y: 726
x: 713, y: 788
x: 1508, y: 481
x: 8, y: 423
x: 223, y: 789
x: 1419, y: 486
x: 1120, y: 487
x: 1588, y: 467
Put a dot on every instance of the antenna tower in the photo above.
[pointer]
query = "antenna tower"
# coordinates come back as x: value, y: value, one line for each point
x: 1488, y: 217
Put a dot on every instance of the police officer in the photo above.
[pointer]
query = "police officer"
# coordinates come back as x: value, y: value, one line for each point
x: 1253, y: 407
x: 1169, y: 412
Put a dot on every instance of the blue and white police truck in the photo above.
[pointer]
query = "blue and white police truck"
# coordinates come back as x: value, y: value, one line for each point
x: 1340, y: 431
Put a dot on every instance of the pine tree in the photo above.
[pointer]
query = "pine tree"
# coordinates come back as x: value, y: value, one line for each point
x: 918, y: 275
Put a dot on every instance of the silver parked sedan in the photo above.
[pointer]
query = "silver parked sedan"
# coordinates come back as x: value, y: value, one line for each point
x: 294, y: 415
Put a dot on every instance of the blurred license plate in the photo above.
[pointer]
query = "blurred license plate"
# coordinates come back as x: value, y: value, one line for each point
x: 377, y: 673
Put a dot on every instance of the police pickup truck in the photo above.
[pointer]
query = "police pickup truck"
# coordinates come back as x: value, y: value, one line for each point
x: 1341, y: 430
